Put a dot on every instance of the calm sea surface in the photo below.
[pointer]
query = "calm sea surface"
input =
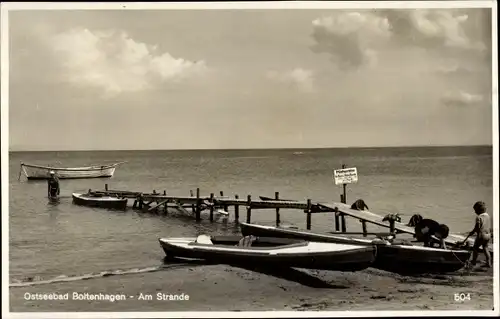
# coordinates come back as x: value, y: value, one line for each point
x: 50, y: 240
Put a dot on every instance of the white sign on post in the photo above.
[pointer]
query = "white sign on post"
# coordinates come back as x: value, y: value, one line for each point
x: 345, y: 175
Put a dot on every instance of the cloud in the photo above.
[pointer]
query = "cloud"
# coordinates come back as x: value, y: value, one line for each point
x: 116, y: 63
x: 461, y: 98
x: 351, y: 38
x: 431, y: 28
x: 454, y: 69
x: 355, y: 39
x: 299, y: 78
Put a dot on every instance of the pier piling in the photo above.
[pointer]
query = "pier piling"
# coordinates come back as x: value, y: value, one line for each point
x: 165, y: 207
x: 211, y: 207
x: 193, y: 207
x: 343, y: 198
x: 236, y: 210
x: 277, y: 197
x: 198, y: 202
x: 308, y: 211
x: 337, y: 219
x: 249, y: 208
x: 343, y: 223
x: 225, y: 207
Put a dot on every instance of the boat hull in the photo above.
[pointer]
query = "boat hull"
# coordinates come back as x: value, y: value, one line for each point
x: 414, y: 259
x: 401, y: 259
x: 299, y: 254
x: 42, y: 173
x: 100, y: 202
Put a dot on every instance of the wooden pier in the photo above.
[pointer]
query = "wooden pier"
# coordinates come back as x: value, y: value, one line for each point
x: 195, y: 204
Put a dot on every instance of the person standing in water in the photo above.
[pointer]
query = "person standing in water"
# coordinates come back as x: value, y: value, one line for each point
x: 53, y: 185
x: 482, y: 229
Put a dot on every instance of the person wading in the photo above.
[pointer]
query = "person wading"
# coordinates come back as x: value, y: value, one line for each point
x: 53, y: 185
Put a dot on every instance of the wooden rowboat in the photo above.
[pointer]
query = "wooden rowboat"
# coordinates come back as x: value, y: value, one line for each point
x: 276, y: 252
x: 43, y: 172
x: 100, y: 201
x: 393, y: 257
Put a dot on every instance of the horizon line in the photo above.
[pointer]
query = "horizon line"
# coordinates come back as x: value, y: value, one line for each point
x: 250, y: 149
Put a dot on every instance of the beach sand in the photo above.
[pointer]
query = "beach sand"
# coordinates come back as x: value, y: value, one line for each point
x: 227, y: 288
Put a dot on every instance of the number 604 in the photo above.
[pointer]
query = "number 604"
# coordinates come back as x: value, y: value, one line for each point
x: 462, y: 296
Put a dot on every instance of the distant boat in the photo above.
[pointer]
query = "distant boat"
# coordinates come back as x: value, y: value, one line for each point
x: 103, y: 201
x: 277, y: 252
x: 43, y: 172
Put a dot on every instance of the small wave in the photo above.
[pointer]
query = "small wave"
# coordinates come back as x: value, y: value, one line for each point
x: 36, y: 280
x: 244, y: 157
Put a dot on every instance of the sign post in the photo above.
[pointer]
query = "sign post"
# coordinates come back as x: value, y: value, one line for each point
x: 344, y: 176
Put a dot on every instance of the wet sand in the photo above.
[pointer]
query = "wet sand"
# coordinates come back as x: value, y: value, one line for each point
x: 227, y: 288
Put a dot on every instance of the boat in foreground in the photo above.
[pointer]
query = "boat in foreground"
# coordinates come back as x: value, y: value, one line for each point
x: 100, y: 201
x: 34, y: 172
x: 393, y: 257
x: 276, y: 252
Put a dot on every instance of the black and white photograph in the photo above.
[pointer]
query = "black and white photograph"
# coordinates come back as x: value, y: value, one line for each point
x: 249, y: 159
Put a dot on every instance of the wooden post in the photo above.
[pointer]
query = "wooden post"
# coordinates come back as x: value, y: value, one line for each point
x: 277, y: 196
x: 155, y: 201
x: 165, y: 207
x: 344, y: 227
x: 212, y: 207
x: 344, y: 198
x: 198, y: 208
x: 224, y: 206
x: 106, y: 187
x: 308, y: 211
x: 363, y: 223
x: 342, y: 217
x: 337, y: 221
x: 193, y: 207
x: 249, y: 208
x: 236, y: 210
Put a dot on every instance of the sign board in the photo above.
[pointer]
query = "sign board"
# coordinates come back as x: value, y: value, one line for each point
x: 345, y: 175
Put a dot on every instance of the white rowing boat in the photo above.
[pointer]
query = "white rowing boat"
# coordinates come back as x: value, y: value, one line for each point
x: 43, y: 172
x: 266, y: 251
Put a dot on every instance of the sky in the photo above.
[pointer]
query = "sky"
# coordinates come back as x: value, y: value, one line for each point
x: 222, y: 79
